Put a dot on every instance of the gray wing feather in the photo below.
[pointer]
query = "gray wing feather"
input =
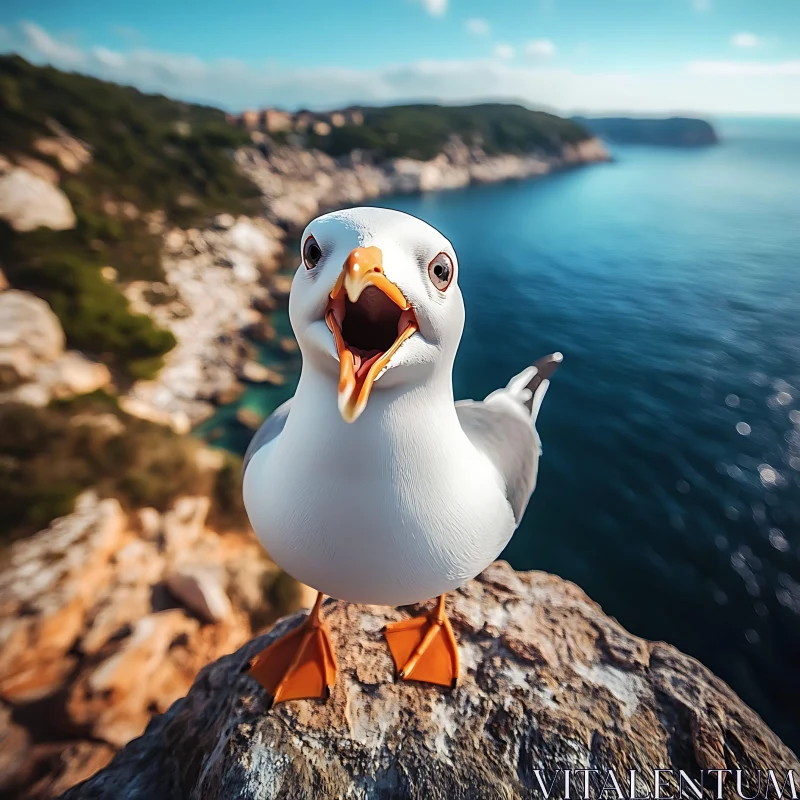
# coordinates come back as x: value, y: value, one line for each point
x: 511, y: 444
x: 268, y: 431
x: 503, y: 428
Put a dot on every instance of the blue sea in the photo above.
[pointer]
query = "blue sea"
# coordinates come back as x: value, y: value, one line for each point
x: 669, y: 488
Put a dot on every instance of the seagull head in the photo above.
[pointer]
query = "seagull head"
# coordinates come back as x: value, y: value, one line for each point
x: 375, y: 302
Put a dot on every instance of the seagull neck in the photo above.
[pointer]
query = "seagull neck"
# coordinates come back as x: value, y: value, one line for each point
x: 418, y: 407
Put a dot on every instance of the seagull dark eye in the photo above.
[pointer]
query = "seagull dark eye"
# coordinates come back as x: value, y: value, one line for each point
x: 440, y: 271
x: 311, y: 253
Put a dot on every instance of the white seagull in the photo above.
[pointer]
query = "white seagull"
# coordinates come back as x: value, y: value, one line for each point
x: 371, y: 484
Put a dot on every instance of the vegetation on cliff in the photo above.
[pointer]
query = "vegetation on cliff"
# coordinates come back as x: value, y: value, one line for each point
x: 421, y: 131
x: 50, y: 455
x: 148, y: 154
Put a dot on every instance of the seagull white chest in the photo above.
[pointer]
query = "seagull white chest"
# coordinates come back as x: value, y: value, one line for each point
x: 396, y: 508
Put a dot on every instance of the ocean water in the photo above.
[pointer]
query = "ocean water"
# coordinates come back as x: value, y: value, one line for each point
x: 669, y: 487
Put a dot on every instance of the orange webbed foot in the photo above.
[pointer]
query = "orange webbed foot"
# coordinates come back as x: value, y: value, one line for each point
x: 424, y: 648
x: 299, y: 665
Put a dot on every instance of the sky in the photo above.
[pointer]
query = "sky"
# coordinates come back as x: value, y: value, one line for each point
x: 715, y: 57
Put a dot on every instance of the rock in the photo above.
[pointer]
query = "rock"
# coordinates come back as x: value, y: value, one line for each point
x: 548, y: 683
x: 249, y: 418
x: 254, y: 372
x: 262, y: 330
x: 288, y: 345
x: 34, y: 368
x: 72, y: 153
x: 224, y: 221
x: 176, y: 419
x: 73, y: 374
x: 91, y: 643
x: 230, y: 394
x: 28, y: 201
x: 184, y: 523
x: 4, y: 284
x: 16, y: 753
x: 109, y: 274
x: 66, y: 764
x: 30, y: 335
x: 199, y: 588
x: 53, y: 577
x: 149, y: 523
x: 39, y: 168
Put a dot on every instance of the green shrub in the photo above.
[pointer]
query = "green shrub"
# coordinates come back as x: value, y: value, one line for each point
x: 93, y: 312
x: 49, y: 455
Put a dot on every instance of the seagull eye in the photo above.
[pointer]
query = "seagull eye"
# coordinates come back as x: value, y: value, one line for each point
x: 311, y: 253
x: 440, y: 271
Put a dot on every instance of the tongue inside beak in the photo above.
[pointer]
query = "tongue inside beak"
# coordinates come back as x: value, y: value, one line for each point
x: 369, y: 318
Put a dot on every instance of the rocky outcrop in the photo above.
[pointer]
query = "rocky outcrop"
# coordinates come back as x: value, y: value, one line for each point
x: 29, y: 201
x: 214, y: 282
x: 106, y: 619
x: 549, y: 683
x: 215, y: 291
x: 298, y: 184
x: 34, y: 368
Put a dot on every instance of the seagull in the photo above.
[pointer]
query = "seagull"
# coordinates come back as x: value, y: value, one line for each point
x: 371, y: 484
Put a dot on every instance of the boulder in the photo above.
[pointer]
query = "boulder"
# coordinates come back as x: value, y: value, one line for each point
x: 199, y: 587
x: 72, y: 154
x: 34, y: 368
x: 73, y: 374
x: 549, y: 683
x: 30, y: 335
x: 91, y: 641
x: 28, y: 201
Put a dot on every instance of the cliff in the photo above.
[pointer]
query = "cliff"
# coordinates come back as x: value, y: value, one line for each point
x: 674, y: 131
x: 107, y: 617
x: 549, y: 684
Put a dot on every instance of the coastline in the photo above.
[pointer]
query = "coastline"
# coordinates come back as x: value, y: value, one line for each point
x: 241, y: 258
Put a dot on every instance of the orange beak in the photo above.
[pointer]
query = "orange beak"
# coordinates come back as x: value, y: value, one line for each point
x: 364, y: 304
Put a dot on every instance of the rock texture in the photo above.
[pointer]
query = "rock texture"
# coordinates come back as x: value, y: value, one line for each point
x: 214, y: 282
x: 548, y: 682
x: 106, y: 618
x: 298, y: 184
x: 29, y: 201
x: 34, y: 368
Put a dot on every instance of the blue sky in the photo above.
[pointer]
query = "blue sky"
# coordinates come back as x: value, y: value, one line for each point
x: 645, y: 56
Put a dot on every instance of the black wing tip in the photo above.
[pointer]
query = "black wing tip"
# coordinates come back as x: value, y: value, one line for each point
x: 545, y: 367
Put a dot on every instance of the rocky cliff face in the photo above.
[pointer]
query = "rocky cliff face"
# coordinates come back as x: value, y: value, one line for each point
x: 549, y: 683
x: 298, y: 184
x: 106, y: 619
x: 220, y: 279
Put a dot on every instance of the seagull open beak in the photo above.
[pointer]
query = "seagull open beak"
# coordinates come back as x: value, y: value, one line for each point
x: 369, y: 318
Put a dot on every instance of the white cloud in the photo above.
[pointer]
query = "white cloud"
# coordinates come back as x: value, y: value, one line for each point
x: 504, y: 51
x: 540, y: 48
x: 702, y: 87
x: 745, y: 40
x: 701, y: 5
x: 436, y: 8
x: 752, y: 69
x: 58, y: 52
x: 480, y: 27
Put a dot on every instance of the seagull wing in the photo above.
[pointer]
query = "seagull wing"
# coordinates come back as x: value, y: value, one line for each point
x: 503, y: 427
x: 268, y: 432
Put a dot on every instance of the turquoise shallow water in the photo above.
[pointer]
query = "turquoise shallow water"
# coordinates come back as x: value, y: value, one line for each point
x: 670, y: 483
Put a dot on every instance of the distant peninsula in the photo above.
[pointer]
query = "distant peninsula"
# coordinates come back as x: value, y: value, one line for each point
x: 672, y: 132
